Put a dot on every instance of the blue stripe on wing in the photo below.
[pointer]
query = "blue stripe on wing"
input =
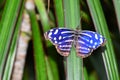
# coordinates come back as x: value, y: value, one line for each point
x: 84, y: 41
x: 62, y: 38
x: 87, y: 42
x: 64, y: 48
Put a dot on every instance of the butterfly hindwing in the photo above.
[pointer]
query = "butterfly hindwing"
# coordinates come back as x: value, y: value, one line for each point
x: 62, y: 38
x: 88, y: 41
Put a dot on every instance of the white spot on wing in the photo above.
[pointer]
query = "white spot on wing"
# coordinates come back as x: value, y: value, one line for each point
x: 55, y: 41
x: 49, y: 35
x: 101, y: 36
x: 94, y: 46
x: 101, y: 40
x: 51, y: 30
x: 54, y: 38
x: 95, y: 43
x: 56, y: 31
x: 96, y: 36
x: 60, y: 37
x: 91, y: 41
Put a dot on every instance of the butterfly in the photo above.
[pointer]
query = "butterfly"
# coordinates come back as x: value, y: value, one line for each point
x: 84, y: 41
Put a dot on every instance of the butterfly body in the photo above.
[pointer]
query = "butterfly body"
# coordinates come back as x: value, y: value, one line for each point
x: 84, y: 41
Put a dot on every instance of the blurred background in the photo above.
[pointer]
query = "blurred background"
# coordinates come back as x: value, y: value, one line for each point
x: 26, y: 55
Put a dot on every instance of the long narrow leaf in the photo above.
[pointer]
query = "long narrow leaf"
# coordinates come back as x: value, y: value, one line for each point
x: 43, y: 14
x: 52, y: 74
x: 117, y: 10
x: 39, y: 55
x: 7, y: 26
x: 12, y: 52
x: 85, y: 74
x: 72, y: 20
x: 59, y: 12
x: 101, y: 26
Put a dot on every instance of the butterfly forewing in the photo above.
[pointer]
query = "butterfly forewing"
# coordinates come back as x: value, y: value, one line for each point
x: 87, y: 41
x: 62, y: 38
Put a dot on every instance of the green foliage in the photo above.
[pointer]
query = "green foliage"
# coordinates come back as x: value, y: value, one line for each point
x: 44, y: 62
x: 7, y: 26
x: 101, y: 26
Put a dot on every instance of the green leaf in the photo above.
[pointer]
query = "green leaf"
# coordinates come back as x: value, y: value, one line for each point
x: 117, y: 10
x: 59, y: 12
x: 51, y: 64
x: 85, y: 74
x: 101, y: 26
x: 74, y: 64
x: 39, y: 55
x: 43, y: 14
x: 7, y: 26
x: 13, y: 48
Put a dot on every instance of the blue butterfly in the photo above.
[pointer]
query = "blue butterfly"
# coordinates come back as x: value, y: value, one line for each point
x: 84, y: 41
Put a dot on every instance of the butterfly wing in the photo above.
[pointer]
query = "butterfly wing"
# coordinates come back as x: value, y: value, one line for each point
x: 87, y: 41
x: 62, y: 38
